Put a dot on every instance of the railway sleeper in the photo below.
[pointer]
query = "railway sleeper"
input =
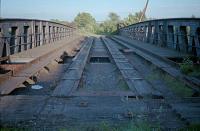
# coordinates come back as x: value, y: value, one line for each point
x: 72, y: 77
x: 135, y: 81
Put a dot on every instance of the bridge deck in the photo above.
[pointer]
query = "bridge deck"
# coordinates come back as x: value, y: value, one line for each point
x: 160, y: 51
x: 101, y: 83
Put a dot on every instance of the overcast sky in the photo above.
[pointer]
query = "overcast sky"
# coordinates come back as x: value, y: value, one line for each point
x: 68, y: 9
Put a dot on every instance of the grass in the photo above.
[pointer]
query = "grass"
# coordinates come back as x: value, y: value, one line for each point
x: 103, y: 126
x: 195, y: 127
x: 190, y: 70
x: 176, y: 86
x: 195, y: 72
x: 12, y: 129
x: 152, y: 76
x: 190, y: 66
x: 122, y: 84
x: 140, y: 127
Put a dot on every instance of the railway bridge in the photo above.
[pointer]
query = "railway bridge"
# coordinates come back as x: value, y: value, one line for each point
x: 53, y: 78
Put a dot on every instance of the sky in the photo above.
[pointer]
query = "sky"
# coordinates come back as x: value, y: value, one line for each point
x: 68, y: 9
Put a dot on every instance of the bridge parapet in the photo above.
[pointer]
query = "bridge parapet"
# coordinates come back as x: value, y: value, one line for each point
x: 17, y: 35
x: 181, y: 34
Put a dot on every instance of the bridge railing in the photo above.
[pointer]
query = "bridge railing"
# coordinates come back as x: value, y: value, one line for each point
x: 16, y: 44
x: 182, y: 35
x: 18, y: 35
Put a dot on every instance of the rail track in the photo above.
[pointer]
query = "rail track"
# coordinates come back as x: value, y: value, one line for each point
x: 106, y: 80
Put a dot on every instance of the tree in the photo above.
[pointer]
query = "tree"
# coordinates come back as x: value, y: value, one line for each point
x: 85, y: 22
x: 114, y: 17
x: 134, y: 18
x: 61, y: 22
x: 109, y: 26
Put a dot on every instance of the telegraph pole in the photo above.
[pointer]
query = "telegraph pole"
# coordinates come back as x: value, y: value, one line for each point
x: 144, y: 11
x: 0, y: 9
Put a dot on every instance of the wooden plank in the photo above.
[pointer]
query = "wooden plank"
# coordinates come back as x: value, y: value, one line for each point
x: 104, y: 93
x: 121, y: 60
x: 124, y: 66
x: 135, y: 81
x: 130, y: 74
x: 65, y: 87
x: 73, y: 75
x: 142, y: 87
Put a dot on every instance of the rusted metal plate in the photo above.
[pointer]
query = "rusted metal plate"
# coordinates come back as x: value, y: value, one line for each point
x: 32, y: 68
x: 11, y: 84
x: 4, y: 58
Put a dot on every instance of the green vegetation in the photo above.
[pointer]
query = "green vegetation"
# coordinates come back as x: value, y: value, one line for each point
x: 63, y: 22
x: 85, y: 22
x: 176, y: 86
x: 189, y: 68
x: 133, y: 18
x: 122, y: 84
x: 196, y: 72
x: 186, y: 68
x: 88, y: 25
x: 103, y: 126
x: 195, y: 127
x: 13, y: 129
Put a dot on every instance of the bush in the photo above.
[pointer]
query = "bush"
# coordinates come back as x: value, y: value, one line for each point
x: 187, y: 66
x: 186, y: 69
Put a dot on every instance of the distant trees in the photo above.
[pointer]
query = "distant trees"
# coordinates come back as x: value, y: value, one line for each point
x: 87, y: 23
x: 59, y: 21
x: 133, y: 18
x: 63, y: 22
x: 114, y: 17
x: 110, y: 25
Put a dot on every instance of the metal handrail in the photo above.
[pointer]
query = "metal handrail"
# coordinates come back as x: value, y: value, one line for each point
x: 161, y: 37
x: 17, y: 43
